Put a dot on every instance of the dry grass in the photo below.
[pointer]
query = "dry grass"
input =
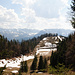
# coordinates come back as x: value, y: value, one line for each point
x: 36, y: 74
x: 71, y: 73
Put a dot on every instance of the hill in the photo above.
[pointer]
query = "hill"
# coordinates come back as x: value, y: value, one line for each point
x: 48, y: 44
x: 45, y: 46
x: 14, y: 48
x: 65, y: 53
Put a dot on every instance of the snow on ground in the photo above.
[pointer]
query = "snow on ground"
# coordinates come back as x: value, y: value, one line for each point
x: 32, y: 33
x: 54, y: 45
x: 45, y: 39
x: 60, y: 38
x: 56, y: 42
x: 13, y: 64
x: 44, y: 47
x: 55, y: 38
x: 16, y: 63
x: 48, y: 44
x: 28, y: 58
x: 14, y: 71
x: 44, y: 51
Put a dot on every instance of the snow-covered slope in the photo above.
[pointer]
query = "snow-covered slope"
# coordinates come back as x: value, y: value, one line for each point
x: 14, y: 62
x: 47, y: 45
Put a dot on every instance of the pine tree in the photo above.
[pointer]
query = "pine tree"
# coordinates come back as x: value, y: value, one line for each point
x: 70, y: 54
x: 34, y: 63
x: 25, y: 67
x: 73, y: 13
x: 21, y: 67
x: 40, y: 65
x: 52, y: 59
x: 1, y: 70
x: 45, y: 64
x: 20, y: 72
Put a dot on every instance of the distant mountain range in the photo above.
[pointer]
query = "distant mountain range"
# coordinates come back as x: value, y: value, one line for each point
x: 26, y: 34
x: 63, y: 32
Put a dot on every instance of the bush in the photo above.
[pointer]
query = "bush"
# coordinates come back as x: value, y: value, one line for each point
x: 59, y: 69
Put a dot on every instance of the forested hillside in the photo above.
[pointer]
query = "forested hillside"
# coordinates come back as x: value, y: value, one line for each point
x: 65, y: 53
x: 14, y: 48
x: 66, y: 50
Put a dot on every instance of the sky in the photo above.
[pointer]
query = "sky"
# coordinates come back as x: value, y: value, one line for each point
x: 35, y: 14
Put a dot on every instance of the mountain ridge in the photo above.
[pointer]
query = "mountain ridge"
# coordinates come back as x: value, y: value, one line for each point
x: 26, y: 34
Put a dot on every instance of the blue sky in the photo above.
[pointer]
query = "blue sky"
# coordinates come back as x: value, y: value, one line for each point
x: 35, y: 14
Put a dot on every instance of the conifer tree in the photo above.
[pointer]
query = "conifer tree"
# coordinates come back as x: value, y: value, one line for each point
x: 73, y: 13
x: 20, y: 72
x: 52, y: 59
x: 34, y: 63
x: 21, y: 67
x: 40, y: 65
x: 45, y: 64
x: 25, y: 67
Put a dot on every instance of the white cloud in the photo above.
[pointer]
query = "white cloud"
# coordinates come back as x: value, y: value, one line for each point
x: 54, y: 23
x: 47, y: 8
x: 28, y: 12
x: 65, y: 2
x: 8, y: 15
x: 29, y: 15
x: 8, y: 18
x: 26, y: 3
x: 36, y: 14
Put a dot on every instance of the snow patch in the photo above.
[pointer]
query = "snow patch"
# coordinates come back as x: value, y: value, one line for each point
x: 60, y: 38
x: 44, y: 51
x: 14, y: 63
x: 32, y: 33
x: 55, y: 38
x: 48, y: 44
x: 14, y: 71
x: 45, y: 39
x: 56, y: 42
x: 54, y: 45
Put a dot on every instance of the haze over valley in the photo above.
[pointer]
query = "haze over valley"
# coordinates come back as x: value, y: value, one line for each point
x: 26, y: 34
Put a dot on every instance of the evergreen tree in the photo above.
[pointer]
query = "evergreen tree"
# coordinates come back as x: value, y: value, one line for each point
x: 59, y: 56
x: 20, y: 72
x: 70, y: 54
x: 53, y: 59
x: 34, y: 63
x: 25, y: 67
x: 22, y: 66
x: 73, y: 13
x: 1, y: 70
x: 45, y: 64
x: 40, y: 65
